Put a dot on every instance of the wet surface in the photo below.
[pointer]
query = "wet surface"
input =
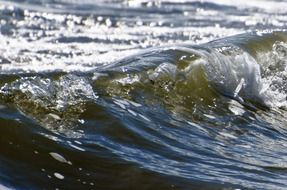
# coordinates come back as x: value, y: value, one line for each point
x: 143, y: 94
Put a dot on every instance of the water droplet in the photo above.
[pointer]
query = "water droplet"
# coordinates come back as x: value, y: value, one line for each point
x: 59, y: 158
x: 81, y: 121
x: 59, y: 176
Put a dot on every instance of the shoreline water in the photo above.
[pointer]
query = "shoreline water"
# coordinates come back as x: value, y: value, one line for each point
x: 143, y: 94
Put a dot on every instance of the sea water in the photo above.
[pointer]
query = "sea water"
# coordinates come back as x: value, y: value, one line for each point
x: 136, y: 94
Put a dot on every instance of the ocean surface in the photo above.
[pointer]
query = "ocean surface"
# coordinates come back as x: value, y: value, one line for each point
x: 137, y: 94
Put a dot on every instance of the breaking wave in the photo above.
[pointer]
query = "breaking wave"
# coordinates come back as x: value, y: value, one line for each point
x: 200, y: 113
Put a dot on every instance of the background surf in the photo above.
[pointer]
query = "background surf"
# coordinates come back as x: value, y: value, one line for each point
x: 143, y: 94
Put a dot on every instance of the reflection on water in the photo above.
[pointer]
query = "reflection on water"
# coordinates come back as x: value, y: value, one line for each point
x: 118, y: 94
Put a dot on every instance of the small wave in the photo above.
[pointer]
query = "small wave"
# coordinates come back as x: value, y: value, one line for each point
x: 248, y: 68
x: 239, y: 67
x: 175, y: 110
x: 136, y: 92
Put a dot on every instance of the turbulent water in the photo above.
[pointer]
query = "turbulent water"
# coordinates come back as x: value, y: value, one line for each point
x: 135, y: 94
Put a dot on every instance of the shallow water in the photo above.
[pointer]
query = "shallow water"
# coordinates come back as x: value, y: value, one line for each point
x: 125, y: 94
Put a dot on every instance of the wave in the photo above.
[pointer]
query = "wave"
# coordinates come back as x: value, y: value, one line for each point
x: 99, y: 91
x: 248, y: 68
x: 183, y: 111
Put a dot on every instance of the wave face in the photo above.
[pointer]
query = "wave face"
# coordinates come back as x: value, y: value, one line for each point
x: 101, y: 96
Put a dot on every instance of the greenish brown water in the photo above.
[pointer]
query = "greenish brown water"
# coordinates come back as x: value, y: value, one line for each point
x: 143, y: 95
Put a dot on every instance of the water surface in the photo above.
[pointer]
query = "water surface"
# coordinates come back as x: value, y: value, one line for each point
x: 116, y: 94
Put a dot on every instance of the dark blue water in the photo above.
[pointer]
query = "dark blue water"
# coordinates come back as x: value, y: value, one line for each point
x: 116, y: 94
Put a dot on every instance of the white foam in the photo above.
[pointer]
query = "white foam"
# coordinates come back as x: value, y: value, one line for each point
x: 2, y: 187
x: 236, y: 108
x: 268, y: 5
x: 237, y: 75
